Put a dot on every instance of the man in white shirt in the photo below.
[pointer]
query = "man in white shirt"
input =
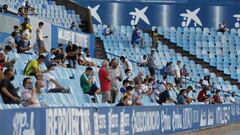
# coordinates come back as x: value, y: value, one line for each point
x: 51, y: 84
x: 40, y: 37
x: 177, y: 74
x: 125, y: 63
x: 116, y: 76
x: 28, y: 95
x: 232, y: 98
x: 10, y: 40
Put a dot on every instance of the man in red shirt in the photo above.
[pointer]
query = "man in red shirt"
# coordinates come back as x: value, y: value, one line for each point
x: 105, y: 82
x: 216, y: 98
x: 202, y: 96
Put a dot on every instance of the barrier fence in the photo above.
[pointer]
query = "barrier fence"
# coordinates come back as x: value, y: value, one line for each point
x: 116, y: 120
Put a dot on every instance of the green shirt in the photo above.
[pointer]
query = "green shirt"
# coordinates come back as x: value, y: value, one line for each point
x: 84, y: 83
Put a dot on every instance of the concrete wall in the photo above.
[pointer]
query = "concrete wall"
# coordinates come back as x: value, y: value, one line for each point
x: 230, y: 129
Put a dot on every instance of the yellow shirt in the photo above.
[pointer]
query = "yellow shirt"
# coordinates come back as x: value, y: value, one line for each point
x: 32, y: 67
x: 29, y: 27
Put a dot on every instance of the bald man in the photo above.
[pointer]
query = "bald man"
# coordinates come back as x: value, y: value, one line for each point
x: 105, y: 82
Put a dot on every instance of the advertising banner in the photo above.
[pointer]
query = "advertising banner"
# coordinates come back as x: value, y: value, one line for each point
x: 116, y: 120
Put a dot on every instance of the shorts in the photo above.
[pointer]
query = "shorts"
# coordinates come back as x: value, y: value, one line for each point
x: 152, y: 71
x: 106, y: 96
x: 40, y: 43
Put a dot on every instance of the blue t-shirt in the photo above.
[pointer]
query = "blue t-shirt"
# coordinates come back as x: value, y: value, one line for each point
x: 181, y: 100
x: 135, y: 36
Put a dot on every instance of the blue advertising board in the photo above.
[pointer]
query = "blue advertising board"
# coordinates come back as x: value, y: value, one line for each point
x: 184, y: 13
x: 116, y: 120
x: 63, y: 35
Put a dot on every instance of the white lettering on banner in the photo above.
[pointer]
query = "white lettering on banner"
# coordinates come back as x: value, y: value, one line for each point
x: 195, y: 116
x: 112, y: 122
x: 165, y: 122
x: 176, y: 121
x: 21, y: 125
x: 145, y: 121
x: 101, y: 122
x: 203, y: 118
x: 226, y: 114
x: 67, y: 121
x: 233, y: 110
x: 237, y: 110
x: 79, y: 39
x: 187, y: 118
x: 124, y: 122
x: 210, y: 117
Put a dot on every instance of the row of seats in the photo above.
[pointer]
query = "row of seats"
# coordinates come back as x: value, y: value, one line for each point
x: 49, y: 11
x: 220, y: 50
x: 119, y: 45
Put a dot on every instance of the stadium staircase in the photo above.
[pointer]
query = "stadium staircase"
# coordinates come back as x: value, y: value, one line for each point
x: 212, y: 69
x: 100, y: 52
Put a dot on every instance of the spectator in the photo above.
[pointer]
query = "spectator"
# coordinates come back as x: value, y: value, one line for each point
x: 167, y: 69
x: 28, y: 95
x: 4, y: 62
x: 40, y: 88
x: 184, y: 72
x: 51, y: 84
x: 145, y: 88
x: 222, y: 27
x: 128, y: 75
x: 202, y: 96
x: 161, y: 86
x: 129, y: 91
x: 87, y: 82
x: 107, y: 31
x: 10, y: 40
x: 105, y: 82
x: 125, y: 63
x: 125, y: 101
x: 232, y: 98
x: 18, y: 36
x: 60, y: 54
x: 39, y: 38
x: 72, y: 52
x: 6, y: 51
x: 139, y: 78
x: 136, y: 38
x: 155, y: 39
x: 50, y: 59
x: 24, y: 45
x: 206, y: 81
x: 177, y: 74
x: 217, y: 98
x: 33, y: 66
x: 190, y: 97
x: 4, y: 9
x: 151, y: 64
x: 89, y: 61
x: 165, y: 97
x: 26, y: 28
x: 116, y: 76
x: 8, y: 92
x: 137, y: 96
x: 181, y: 97
x: 80, y: 60
x: 124, y: 87
x: 143, y: 61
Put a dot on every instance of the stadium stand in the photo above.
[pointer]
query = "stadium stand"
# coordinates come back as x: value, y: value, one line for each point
x: 130, y: 75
